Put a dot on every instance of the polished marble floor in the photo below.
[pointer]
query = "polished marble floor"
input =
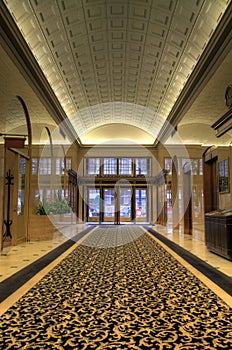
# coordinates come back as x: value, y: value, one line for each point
x: 195, y: 244
x: 14, y: 258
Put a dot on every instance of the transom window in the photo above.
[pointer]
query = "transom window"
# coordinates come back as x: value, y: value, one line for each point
x: 125, y: 166
x: 109, y: 166
x: 60, y: 165
x: 43, y: 165
x: 142, y: 166
x: 93, y: 166
x: 196, y: 165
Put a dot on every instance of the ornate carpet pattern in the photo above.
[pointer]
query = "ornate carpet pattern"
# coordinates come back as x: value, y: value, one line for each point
x: 132, y: 295
x: 11, y: 284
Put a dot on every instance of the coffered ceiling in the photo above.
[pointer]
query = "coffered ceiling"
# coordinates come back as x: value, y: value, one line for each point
x: 117, y: 65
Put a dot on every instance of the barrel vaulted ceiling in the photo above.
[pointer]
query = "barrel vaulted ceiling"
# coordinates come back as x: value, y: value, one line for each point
x: 117, y: 65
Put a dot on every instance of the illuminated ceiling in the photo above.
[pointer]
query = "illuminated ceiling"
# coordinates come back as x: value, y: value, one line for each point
x: 118, y: 62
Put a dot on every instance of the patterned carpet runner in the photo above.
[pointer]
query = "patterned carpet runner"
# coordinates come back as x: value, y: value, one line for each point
x: 119, y: 289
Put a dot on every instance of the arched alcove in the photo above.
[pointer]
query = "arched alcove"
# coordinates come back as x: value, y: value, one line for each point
x: 15, y: 160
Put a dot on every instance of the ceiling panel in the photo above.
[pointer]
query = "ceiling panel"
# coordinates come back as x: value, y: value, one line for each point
x: 115, y: 61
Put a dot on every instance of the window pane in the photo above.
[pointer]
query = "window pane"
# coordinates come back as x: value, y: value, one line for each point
x: 185, y: 161
x: 94, y: 202
x: 21, y: 185
x: 45, y: 166
x: 125, y: 166
x: 168, y: 165
x: 58, y: 166
x: 142, y: 166
x: 110, y: 166
x: 93, y: 166
x: 141, y: 203
x: 125, y: 202
x: 109, y: 203
x: 194, y: 166
x: 34, y: 165
x: 200, y: 167
x: 68, y: 163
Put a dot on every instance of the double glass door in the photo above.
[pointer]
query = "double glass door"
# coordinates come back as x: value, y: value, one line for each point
x: 117, y: 204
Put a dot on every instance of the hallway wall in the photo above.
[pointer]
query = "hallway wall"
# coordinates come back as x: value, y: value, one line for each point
x: 158, y: 155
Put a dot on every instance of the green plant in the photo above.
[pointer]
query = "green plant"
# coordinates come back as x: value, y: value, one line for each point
x: 58, y: 206
x: 42, y: 208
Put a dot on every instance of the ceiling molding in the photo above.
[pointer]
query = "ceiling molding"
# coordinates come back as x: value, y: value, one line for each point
x: 16, y: 47
x: 214, y: 53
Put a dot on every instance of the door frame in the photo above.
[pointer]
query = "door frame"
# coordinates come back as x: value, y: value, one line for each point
x: 17, y: 222
x: 137, y: 218
x: 89, y: 218
x: 116, y: 218
x: 129, y: 218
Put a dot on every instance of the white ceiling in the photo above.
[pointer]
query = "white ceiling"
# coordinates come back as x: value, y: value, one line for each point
x: 125, y: 63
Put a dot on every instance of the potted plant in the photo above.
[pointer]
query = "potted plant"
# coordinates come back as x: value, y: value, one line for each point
x: 42, y: 225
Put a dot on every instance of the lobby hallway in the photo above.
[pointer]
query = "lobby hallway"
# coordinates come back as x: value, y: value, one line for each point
x: 117, y: 287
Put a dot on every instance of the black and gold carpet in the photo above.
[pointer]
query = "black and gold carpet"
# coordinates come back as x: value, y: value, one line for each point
x: 119, y: 289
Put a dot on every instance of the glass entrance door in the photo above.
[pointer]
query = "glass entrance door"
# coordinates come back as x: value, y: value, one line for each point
x: 109, y: 205
x: 93, y: 208
x: 125, y: 204
x: 117, y: 204
x: 141, y: 204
